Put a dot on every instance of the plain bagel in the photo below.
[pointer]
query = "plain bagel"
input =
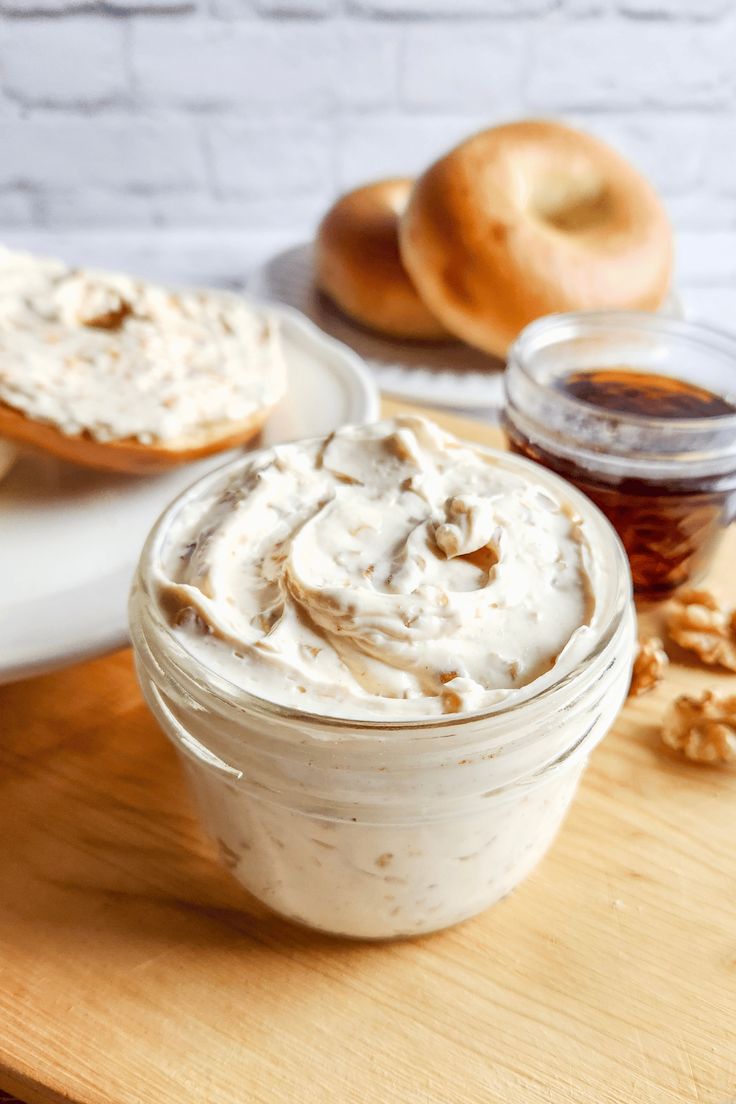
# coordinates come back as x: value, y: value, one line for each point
x: 358, y: 264
x: 531, y: 218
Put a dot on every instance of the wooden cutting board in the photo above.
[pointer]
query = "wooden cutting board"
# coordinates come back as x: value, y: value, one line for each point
x: 133, y: 969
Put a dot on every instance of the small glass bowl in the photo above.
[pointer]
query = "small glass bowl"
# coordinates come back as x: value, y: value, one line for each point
x: 668, y: 485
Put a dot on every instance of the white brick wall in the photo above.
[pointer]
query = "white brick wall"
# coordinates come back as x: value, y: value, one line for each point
x: 72, y: 63
x: 465, y: 66
x: 48, y: 152
x: 253, y: 66
x: 630, y: 64
x: 127, y: 123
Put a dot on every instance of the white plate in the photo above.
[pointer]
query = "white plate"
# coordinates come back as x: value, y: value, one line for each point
x: 446, y: 373
x: 70, y: 537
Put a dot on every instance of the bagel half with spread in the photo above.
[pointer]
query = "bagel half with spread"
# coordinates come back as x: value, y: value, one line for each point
x: 358, y: 263
x: 528, y: 219
x: 125, y: 375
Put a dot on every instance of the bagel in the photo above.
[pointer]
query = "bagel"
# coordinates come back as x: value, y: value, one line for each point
x: 128, y: 455
x: 529, y: 219
x: 7, y: 457
x: 124, y: 375
x: 358, y: 264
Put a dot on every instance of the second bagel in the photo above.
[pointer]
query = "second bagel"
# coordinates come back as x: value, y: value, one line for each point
x: 358, y: 263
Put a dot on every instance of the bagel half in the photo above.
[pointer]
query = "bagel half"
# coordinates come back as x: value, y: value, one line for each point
x: 7, y: 457
x: 128, y: 455
x: 528, y: 219
x: 116, y: 373
x: 358, y: 263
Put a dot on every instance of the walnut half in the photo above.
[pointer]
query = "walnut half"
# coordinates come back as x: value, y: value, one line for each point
x: 650, y: 663
x: 90, y: 300
x: 703, y: 728
x: 697, y: 622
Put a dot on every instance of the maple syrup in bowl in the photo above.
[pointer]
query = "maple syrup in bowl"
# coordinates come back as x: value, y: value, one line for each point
x: 639, y: 412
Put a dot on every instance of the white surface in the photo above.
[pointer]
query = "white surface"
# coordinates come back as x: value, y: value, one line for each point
x: 69, y: 537
x: 446, y: 373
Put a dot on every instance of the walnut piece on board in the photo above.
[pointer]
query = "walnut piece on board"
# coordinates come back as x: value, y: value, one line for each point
x: 703, y: 728
x: 697, y: 622
x: 650, y: 664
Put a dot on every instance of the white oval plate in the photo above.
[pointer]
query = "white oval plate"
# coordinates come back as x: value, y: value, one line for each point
x: 447, y: 373
x: 70, y: 537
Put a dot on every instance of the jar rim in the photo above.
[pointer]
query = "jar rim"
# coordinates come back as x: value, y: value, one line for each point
x: 233, y: 697
x: 530, y: 341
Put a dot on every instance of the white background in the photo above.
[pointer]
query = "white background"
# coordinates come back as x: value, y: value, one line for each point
x: 191, y: 138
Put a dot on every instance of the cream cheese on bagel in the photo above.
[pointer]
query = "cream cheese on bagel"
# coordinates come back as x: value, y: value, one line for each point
x: 117, y: 358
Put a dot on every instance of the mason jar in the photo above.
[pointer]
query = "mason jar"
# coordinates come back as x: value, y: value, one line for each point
x: 380, y: 829
x: 662, y: 463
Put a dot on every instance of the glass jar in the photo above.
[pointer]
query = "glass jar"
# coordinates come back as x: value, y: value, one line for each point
x: 375, y: 829
x: 667, y: 483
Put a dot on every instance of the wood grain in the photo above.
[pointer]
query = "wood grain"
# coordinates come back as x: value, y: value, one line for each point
x: 132, y: 968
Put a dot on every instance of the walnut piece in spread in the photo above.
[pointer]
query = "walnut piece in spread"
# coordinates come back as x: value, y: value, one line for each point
x: 88, y: 301
x: 702, y: 728
x: 697, y: 623
x: 650, y: 664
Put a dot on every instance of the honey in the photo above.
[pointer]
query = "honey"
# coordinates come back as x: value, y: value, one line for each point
x: 669, y: 530
x: 626, y: 391
x: 656, y: 452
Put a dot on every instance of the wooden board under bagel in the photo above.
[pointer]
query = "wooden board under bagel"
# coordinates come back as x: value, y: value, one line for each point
x: 134, y: 969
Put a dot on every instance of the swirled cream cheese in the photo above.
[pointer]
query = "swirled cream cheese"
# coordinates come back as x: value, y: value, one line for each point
x: 388, y: 571
x: 117, y: 357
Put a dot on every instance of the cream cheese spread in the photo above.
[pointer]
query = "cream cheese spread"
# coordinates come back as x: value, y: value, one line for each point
x: 118, y: 357
x: 389, y: 571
